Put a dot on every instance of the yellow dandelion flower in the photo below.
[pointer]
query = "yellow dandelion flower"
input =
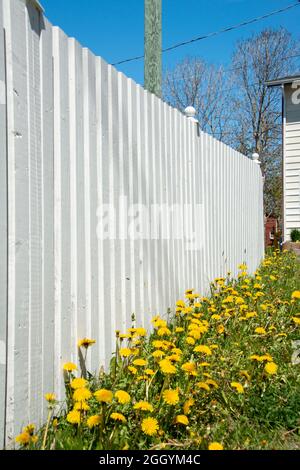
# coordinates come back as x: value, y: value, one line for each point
x: 203, y: 349
x: 104, y: 395
x: 149, y: 372
x: 179, y: 329
x: 188, y: 310
x: 212, y: 382
x: 190, y: 340
x: 73, y: 417
x: 122, y: 397
x: 220, y: 329
x: 78, y: 383
x: 86, y: 342
x: 182, y: 419
x: 271, y: 368
x: 159, y: 323
x: 205, y: 364
x: 203, y: 385
x: 180, y: 303
x: 264, y: 357
x: 216, y: 317
x: 244, y: 373
x: 29, y: 429
x: 296, y: 320
x: 93, y: 421
x: 81, y: 406
x: 150, y: 426
x: 215, y: 446
x: 174, y: 357
x: 139, y: 362
x: 158, y: 353
x: 189, y: 367
x: 124, y: 336
x: 50, y: 397
x: 242, y: 266
x: 164, y: 331
x: 125, y: 352
x: 159, y: 344
x: 188, y: 405
x: 296, y: 294
x: 228, y: 300
x: 251, y: 314
x: 260, y: 331
x: 143, y: 406
x: 167, y: 367
x: 23, y: 439
x: 189, y: 291
x: 131, y: 330
x: 195, y: 333
x: 194, y: 322
x: 81, y: 394
x: 171, y: 397
x: 239, y: 387
x: 141, y: 331
x: 132, y: 369
x: 176, y: 351
x: 69, y: 366
x: 118, y: 417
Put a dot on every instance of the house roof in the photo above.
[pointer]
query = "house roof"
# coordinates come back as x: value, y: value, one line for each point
x: 283, y: 80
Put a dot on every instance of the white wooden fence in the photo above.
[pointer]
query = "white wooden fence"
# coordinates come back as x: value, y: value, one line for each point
x: 76, y: 134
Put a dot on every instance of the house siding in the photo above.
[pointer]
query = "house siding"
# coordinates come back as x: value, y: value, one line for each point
x: 291, y: 164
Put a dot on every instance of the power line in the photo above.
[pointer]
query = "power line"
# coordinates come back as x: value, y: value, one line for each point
x: 216, y: 33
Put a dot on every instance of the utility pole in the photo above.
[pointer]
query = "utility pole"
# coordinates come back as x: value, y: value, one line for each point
x: 153, y: 46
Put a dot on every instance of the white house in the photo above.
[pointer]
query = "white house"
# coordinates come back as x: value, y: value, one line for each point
x: 291, y: 152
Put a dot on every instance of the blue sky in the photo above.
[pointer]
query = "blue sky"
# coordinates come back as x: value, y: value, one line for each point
x: 114, y: 29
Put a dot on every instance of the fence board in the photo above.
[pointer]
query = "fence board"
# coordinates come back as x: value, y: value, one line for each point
x: 47, y: 196
x: 3, y: 229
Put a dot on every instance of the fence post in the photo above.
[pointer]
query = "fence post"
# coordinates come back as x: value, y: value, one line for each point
x: 153, y: 46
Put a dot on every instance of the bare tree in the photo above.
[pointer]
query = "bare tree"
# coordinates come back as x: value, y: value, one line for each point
x: 235, y: 106
x: 193, y: 82
x: 257, y: 109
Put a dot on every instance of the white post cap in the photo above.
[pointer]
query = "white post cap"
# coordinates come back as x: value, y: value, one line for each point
x: 190, y: 113
x: 255, y: 158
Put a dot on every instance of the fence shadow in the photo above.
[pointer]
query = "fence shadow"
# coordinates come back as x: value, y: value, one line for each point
x: 36, y: 18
